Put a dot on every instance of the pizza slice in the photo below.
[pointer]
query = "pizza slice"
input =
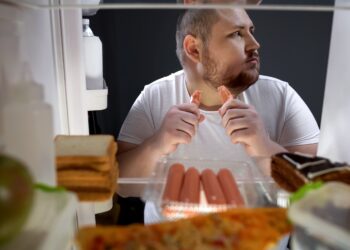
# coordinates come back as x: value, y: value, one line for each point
x: 248, y: 229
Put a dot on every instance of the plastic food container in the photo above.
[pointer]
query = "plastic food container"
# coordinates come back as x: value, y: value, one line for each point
x: 256, y: 189
x: 322, y: 219
x: 51, y: 223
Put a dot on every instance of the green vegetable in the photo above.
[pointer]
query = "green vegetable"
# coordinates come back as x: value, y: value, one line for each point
x: 16, y: 197
x: 304, y: 190
x: 49, y: 189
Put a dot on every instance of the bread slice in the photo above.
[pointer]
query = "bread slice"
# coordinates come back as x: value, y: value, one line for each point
x: 95, y: 196
x: 89, y: 185
x: 92, y: 179
x: 85, y: 151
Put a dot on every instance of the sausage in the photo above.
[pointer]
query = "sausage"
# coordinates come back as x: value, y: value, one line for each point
x: 230, y: 188
x: 224, y: 93
x: 174, y: 182
x: 190, y: 188
x: 212, y: 188
x: 196, y: 97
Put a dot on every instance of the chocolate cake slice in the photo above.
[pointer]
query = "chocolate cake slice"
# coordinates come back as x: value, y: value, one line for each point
x: 292, y: 170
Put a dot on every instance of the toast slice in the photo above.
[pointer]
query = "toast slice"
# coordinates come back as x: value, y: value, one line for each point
x: 85, y: 151
x: 89, y: 185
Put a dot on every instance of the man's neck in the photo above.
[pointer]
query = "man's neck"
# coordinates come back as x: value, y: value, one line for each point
x: 210, y: 99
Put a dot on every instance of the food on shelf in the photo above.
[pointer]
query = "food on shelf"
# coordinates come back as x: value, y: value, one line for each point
x: 87, y: 165
x: 174, y: 182
x: 191, y: 186
x: 241, y: 228
x: 212, y: 188
x: 16, y: 197
x: 230, y: 188
x: 186, y: 185
x: 224, y: 93
x: 196, y: 97
x: 292, y: 170
x: 96, y: 151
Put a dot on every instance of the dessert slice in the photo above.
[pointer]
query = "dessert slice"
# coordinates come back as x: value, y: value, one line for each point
x: 292, y: 170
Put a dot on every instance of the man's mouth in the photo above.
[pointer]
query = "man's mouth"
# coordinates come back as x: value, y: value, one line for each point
x: 253, y: 59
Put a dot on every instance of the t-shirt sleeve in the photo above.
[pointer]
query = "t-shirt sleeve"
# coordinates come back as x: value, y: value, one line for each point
x: 138, y: 124
x: 300, y: 126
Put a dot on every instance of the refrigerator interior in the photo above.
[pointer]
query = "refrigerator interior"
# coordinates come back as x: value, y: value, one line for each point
x: 50, y: 40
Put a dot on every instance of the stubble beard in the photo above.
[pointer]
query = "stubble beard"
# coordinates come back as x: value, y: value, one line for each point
x: 237, y: 83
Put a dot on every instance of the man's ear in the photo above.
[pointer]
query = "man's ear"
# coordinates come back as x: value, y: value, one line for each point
x: 192, y: 48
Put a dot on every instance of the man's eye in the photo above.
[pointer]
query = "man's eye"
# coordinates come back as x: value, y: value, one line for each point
x: 235, y: 34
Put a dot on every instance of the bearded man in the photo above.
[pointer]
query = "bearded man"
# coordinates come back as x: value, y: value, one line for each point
x: 264, y: 116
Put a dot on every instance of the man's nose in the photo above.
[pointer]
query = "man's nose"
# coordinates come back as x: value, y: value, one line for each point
x: 251, y: 43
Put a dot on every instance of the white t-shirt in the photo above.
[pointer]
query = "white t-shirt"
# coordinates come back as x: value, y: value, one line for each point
x: 286, y: 117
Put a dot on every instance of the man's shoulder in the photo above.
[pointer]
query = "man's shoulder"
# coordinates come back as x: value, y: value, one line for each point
x: 271, y: 80
x: 268, y: 86
x: 167, y: 80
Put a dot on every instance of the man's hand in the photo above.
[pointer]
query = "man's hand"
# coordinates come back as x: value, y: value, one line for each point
x: 178, y: 127
x: 243, y: 124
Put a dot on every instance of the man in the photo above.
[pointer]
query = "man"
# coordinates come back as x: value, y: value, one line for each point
x: 216, y: 48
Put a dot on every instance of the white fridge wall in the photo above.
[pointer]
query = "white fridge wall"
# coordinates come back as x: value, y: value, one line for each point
x: 28, y: 38
x: 75, y: 87
x: 37, y: 49
x: 335, y: 132
x: 51, y: 42
x: 72, y: 39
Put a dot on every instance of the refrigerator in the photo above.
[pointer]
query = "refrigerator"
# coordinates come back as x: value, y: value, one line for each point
x: 48, y: 36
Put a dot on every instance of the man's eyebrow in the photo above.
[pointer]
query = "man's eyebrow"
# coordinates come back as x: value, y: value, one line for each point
x: 238, y: 27
x: 241, y: 27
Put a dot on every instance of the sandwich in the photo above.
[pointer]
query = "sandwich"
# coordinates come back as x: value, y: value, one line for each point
x: 86, y: 164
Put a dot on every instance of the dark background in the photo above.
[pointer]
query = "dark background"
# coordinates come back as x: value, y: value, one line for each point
x: 139, y: 47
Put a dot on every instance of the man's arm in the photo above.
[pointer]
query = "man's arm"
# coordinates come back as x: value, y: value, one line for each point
x: 178, y: 127
x: 137, y: 160
x: 307, y: 149
x: 243, y: 125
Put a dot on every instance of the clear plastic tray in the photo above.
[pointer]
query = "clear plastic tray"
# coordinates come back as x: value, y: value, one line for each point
x: 322, y: 219
x: 257, y: 189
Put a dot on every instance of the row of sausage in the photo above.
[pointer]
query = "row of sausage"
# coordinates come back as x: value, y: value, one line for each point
x: 185, y: 186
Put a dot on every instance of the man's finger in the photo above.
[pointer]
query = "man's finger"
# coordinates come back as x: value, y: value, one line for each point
x: 232, y: 104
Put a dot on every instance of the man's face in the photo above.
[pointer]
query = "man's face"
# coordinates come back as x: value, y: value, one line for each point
x: 231, y: 57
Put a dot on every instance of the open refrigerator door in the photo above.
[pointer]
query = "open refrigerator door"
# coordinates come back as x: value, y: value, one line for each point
x: 51, y: 42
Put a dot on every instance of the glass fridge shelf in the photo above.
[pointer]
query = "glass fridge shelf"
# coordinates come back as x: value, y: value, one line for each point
x: 269, y: 5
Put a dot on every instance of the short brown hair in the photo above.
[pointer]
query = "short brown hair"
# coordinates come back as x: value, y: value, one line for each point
x: 195, y: 22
